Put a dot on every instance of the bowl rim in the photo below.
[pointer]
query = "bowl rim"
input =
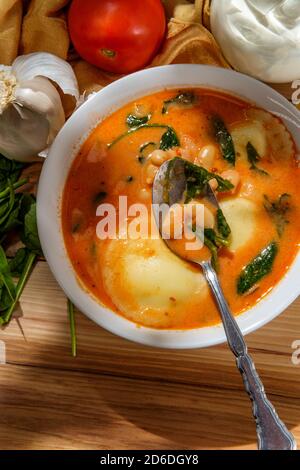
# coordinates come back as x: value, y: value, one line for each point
x: 64, y: 149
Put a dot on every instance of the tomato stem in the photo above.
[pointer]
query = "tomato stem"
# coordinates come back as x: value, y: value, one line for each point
x: 108, y: 53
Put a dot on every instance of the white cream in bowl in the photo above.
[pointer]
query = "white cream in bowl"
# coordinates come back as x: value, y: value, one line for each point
x: 259, y: 37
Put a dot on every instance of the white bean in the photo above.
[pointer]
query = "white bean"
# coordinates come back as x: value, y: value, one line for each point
x: 233, y: 176
x: 158, y: 157
x: 151, y: 172
x: 206, y: 156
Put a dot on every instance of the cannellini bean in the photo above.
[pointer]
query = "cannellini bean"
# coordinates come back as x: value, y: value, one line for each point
x: 158, y: 157
x: 206, y: 156
x: 213, y: 184
x: 151, y: 172
x: 188, y: 143
x: 171, y: 153
x: 140, y: 110
x: 233, y: 176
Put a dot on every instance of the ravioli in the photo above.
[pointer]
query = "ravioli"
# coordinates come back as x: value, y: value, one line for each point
x: 278, y: 137
x: 148, y: 283
x: 240, y: 214
x: 249, y: 131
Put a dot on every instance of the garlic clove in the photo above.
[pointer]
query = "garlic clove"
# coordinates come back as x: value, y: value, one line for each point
x: 31, y: 111
x: 44, y: 64
x: 41, y: 96
x: 21, y: 138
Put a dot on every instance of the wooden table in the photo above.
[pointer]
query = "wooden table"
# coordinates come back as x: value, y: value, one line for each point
x: 120, y: 395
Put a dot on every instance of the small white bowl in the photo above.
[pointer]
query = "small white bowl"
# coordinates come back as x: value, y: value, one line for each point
x: 63, y: 152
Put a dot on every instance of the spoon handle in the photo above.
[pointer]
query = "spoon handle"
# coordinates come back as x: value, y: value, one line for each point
x: 272, y: 434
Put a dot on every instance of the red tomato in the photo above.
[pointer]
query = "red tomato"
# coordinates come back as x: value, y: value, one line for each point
x: 119, y: 36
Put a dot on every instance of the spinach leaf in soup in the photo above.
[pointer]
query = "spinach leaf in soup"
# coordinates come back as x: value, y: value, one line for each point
x: 183, y: 99
x: 224, y: 139
x: 133, y: 121
x: 257, y: 269
x: 169, y: 139
x: 198, y: 177
x: 214, y: 241
x: 254, y: 158
x: 145, y: 150
x: 222, y: 224
x: 278, y: 210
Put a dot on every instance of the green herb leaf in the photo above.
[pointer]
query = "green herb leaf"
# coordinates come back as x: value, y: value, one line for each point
x: 222, y: 224
x: 258, y: 268
x: 254, y: 158
x: 145, y: 150
x: 185, y: 98
x: 5, y: 318
x: 213, y: 250
x: 133, y: 121
x: 8, y: 290
x: 197, y: 179
x: 214, y: 242
x: 17, y: 264
x: 136, y: 129
x: 71, y: 313
x: 278, y: 210
x: 224, y: 139
x: 30, y: 235
x: 169, y: 139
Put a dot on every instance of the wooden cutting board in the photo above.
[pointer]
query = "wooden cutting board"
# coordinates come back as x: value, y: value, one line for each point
x: 120, y: 395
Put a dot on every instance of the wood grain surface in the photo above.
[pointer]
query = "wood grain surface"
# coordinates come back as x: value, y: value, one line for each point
x: 120, y: 395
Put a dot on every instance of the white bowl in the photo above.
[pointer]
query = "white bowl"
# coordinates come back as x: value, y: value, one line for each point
x: 64, y: 150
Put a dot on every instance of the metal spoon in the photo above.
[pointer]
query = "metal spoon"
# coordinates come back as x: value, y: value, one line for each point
x: 272, y: 434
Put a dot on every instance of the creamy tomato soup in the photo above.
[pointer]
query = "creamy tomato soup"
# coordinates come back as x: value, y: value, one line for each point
x: 244, y: 153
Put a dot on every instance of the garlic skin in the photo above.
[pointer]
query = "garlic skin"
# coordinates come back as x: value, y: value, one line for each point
x: 31, y: 111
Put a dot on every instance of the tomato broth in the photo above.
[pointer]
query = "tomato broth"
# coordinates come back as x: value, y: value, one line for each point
x: 227, y: 137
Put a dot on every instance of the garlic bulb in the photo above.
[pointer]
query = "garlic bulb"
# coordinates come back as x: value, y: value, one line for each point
x: 31, y: 111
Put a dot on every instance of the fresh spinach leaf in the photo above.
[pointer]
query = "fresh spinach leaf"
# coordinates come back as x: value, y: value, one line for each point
x: 6, y: 316
x: 224, y: 139
x: 8, y: 290
x: 184, y: 98
x: 254, y: 158
x: 30, y: 235
x: 16, y: 264
x: 9, y: 169
x: 258, y: 268
x: 133, y: 121
x: 278, y: 210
